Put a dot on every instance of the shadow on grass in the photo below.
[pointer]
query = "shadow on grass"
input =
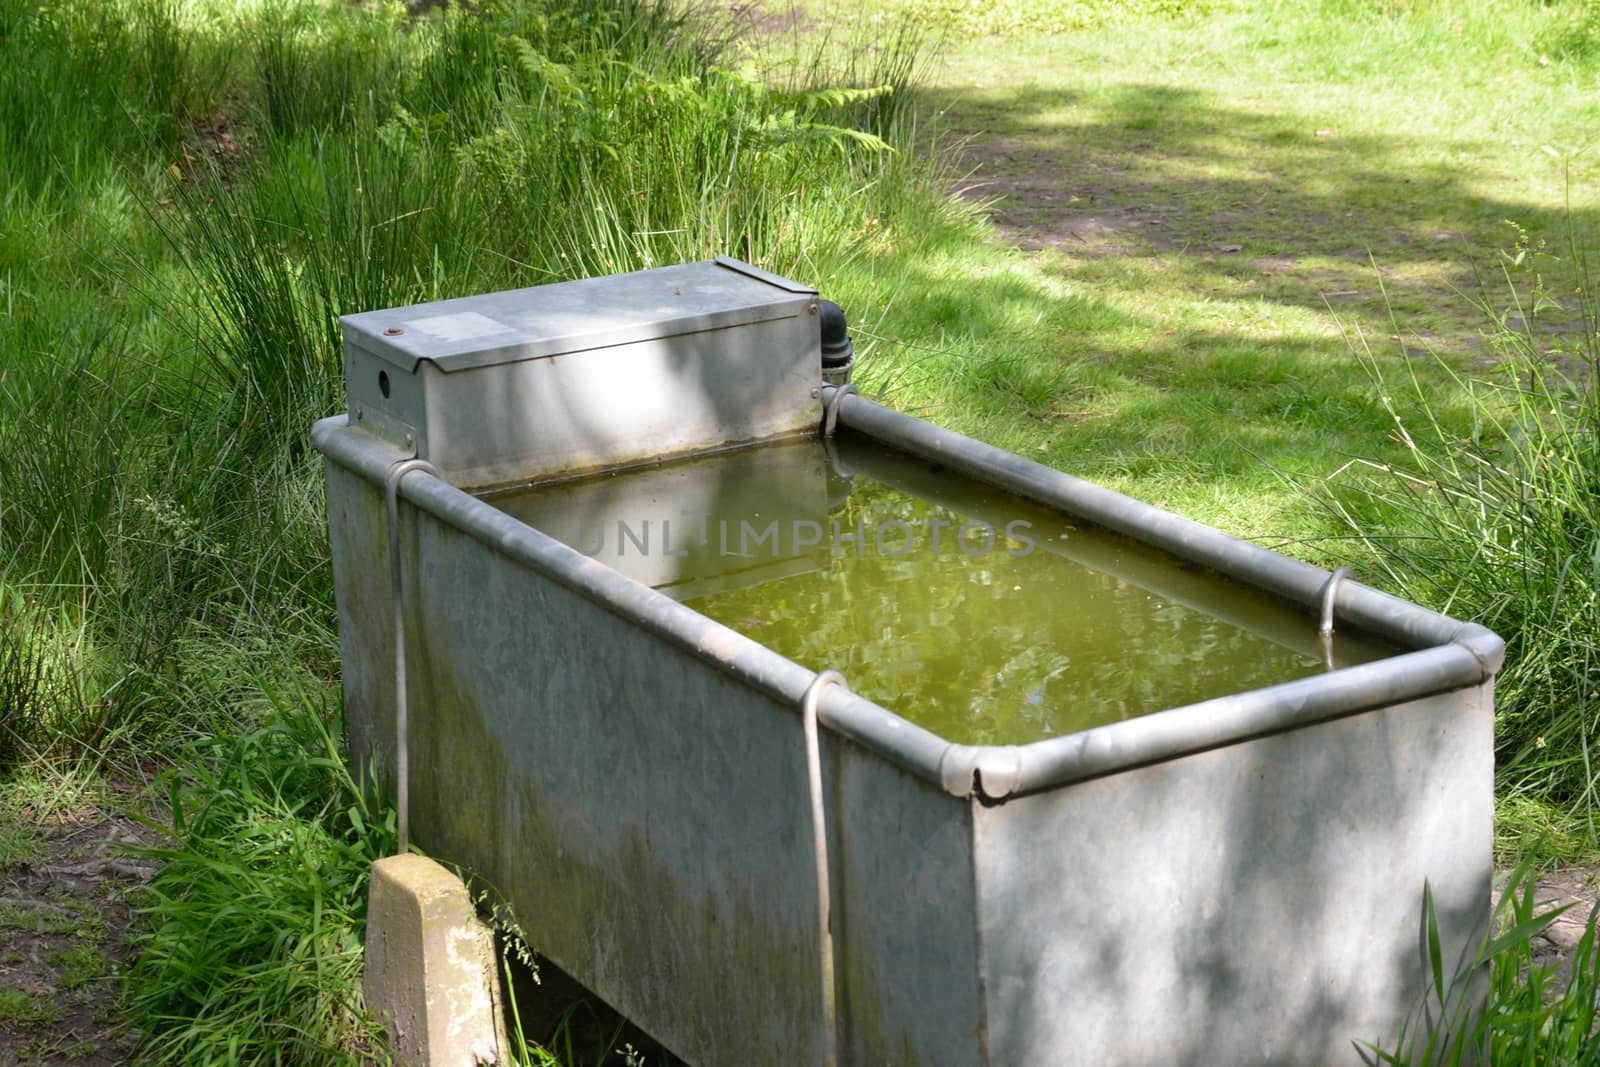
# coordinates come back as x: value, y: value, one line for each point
x: 1201, y: 413
x: 1155, y: 186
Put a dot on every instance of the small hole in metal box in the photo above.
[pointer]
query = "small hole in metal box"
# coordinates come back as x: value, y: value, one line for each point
x: 383, y: 383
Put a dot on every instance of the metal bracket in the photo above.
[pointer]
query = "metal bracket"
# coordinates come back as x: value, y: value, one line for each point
x: 402, y: 769
x: 989, y: 772
x: 830, y: 408
x: 819, y: 842
x: 385, y: 426
x: 1329, y: 588
x: 1325, y: 629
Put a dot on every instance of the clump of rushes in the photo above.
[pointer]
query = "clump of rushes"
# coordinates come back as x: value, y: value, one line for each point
x: 1502, y: 525
x: 513, y: 145
x: 1529, y: 1014
x: 252, y: 951
x: 43, y: 684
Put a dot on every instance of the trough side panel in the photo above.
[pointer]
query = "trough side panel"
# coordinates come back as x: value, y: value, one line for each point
x: 646, y: 814
x: 358, y: 538
x: 905, y: 917
x: 1259, y: 904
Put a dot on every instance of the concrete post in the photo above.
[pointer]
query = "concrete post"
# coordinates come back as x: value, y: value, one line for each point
x: 430, y: 967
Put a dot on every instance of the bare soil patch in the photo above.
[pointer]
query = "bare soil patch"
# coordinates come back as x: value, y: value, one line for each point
x: 1576, y: 889
x: 1192, y: 191
x: 65, y: 919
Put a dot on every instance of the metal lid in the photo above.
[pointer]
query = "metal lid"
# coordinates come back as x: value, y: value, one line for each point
x: 568, y: 317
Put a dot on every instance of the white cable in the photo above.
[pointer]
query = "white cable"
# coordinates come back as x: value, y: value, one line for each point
x: 819, y: 840
x: 402, y: 763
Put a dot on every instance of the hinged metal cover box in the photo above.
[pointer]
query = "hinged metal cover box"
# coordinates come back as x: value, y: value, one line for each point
x: 582, y: 375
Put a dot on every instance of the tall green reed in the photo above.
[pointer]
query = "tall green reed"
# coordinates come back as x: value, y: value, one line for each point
x: 1501, y: 524
x: 43, y: 692
x: 1507, y: 1005
x: 252, y: 950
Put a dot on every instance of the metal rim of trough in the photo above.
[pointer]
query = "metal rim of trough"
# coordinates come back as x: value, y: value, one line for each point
x: 1451, y: 655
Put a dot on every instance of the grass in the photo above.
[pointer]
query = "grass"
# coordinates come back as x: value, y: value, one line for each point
x: 79, y: 965
x: 1214, y: 203
x: 194, y: 190
x: 37, y: 920
x: 20, y: 1009
x: 1535, y: 1015
x: 19, y: 843
x: 1502, y: 525
x: 252, y: 949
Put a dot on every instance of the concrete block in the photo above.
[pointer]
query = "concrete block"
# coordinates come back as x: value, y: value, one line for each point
x: 431, y: 973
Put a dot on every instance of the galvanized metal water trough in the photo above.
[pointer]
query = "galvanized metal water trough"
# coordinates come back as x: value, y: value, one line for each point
x: 1238, y: 881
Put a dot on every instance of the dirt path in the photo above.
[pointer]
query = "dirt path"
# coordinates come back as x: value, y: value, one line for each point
x: 65, y: 915
x: 1576, y: 888
x: 1122, y: 206
x: 1201, y: 163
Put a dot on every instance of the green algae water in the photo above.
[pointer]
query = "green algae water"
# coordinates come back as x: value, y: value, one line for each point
x: 976, y: 614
